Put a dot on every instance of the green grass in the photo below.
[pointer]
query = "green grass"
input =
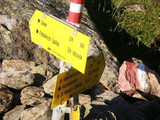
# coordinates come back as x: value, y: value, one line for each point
x: 143, y: 25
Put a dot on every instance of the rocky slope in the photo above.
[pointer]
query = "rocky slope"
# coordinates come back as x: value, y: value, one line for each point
x: 27, y: 73
x: 33, y: 101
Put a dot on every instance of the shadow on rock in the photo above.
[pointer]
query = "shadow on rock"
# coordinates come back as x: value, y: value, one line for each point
x: 116, y: 109
x: 97, y: 112
x: 39, y: 79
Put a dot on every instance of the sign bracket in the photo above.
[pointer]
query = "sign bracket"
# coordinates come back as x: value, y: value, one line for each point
x: 74, y: 31
x: 44, y: 15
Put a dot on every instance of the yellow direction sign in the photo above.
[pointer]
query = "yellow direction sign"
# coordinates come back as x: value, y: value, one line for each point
x: 72, y: 82
x: 60, y: 39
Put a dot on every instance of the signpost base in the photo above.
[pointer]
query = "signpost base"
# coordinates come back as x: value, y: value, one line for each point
x: 59, y: 112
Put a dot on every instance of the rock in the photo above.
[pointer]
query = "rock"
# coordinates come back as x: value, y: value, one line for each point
x: 139, y: 81
x: 115, y: 108
x: 135, y: 60
x: 107, y: 95
x: 151, y: 109
x: 8, y: 22
x: 17, y: 65
x: 16, y: 42
x: 110, y: 80
x: 16, y: 80
x: 0, y: 65
x: 96, y: 112
x: 136, y: 8
x: 49, y: 86
x: 44, y: 72
x: 84, y: 99
x: 15, y: 113
x: 99, y: 91
x: 39, y: 112
x: 6, y: 98
x: 32, y: 96
x: 100, y: 95
x: 123, y: 110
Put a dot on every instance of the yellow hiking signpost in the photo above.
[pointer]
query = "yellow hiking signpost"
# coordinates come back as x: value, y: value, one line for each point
x: 71, y: 46
x: 72, y: 82
x: 60, y: 39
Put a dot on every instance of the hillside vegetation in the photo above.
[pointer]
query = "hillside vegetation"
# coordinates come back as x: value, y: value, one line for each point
x: 131, y: 28
x: 141, y: 19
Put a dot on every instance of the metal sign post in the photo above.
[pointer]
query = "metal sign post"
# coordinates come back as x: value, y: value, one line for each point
x: 58, y: 113
x: 75, y: 12
x: 74, y: 17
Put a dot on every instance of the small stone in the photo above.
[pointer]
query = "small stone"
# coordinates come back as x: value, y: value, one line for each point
x: 136, y: 8
x: 15, y: 113
x: 43, y: 73
x: 16, y: 80
x: 32, y: 96
x: 6, y: 98
x: 45, y: 70
x: 49, y: 86
x: 109, y: 80
x: 84, y: 99
x: 135, y: 60
x: 17, y: 65
x: 97, y: 89
x: 98, y: 112
x: 107, y: 95
x: 39, y: 112
x: 100, y: 95
x: 98, y: 101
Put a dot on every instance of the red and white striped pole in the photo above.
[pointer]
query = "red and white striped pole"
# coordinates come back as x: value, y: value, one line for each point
x: 75, y: 12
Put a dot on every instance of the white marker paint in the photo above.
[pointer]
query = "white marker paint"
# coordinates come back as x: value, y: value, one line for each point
x: 141, y: 74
